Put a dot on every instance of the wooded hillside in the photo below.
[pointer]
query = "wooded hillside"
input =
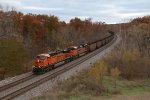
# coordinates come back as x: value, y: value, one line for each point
x: 23, y: 36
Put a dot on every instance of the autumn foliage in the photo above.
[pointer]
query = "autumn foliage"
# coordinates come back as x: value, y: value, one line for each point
x: 36, y: 34
x: 39, y: 32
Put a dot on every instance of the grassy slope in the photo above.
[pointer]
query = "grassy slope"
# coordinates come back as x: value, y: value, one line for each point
x: 124, y: 90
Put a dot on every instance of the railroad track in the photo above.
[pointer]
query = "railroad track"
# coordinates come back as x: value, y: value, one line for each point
x: 12, y: 84
x: 45, y: 78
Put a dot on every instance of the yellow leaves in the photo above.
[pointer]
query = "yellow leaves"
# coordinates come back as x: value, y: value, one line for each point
x: 115, y: 72
x: 98, y: 70
x: 129, y: 56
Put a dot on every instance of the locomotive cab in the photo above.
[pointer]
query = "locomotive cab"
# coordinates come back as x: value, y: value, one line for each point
x: 40, y: 62
x: 41, y: 57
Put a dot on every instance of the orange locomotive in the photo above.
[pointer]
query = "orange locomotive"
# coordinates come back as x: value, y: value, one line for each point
x: 47, y: 61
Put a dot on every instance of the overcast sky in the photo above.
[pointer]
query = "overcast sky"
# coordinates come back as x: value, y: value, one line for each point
x: 109, y: 11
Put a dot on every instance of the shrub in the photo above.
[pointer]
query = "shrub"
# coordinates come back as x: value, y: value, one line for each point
x: 87, y: 80
x: 115, y: 74
x: 96, y: 75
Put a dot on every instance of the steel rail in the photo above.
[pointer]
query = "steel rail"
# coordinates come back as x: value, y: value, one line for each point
x: 14, y: 83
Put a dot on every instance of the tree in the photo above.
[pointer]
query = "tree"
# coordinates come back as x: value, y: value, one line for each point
x: 13, y: 56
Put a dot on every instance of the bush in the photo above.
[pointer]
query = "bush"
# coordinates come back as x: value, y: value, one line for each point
x: 89, y: 80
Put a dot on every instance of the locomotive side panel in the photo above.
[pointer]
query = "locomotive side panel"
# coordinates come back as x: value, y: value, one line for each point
x: 74, y: 52
x: 82, y: 50
x: 60, y: 57
x: 52, y: 60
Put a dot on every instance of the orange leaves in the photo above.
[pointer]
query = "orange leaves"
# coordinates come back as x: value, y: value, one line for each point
x: 139, y: 20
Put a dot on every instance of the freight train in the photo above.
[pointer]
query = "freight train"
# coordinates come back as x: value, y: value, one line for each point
x: 48, y: 61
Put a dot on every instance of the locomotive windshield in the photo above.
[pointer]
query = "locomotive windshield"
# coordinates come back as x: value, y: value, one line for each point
x: 41, y: 57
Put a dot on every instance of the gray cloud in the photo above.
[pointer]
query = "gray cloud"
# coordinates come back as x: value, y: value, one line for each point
x: 110, y: 11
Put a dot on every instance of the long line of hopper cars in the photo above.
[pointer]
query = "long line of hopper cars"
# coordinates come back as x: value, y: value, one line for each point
x: 48, y: 61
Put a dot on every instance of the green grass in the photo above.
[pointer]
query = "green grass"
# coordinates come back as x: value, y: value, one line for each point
x: 134, y: 90
x: 126, y: 87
